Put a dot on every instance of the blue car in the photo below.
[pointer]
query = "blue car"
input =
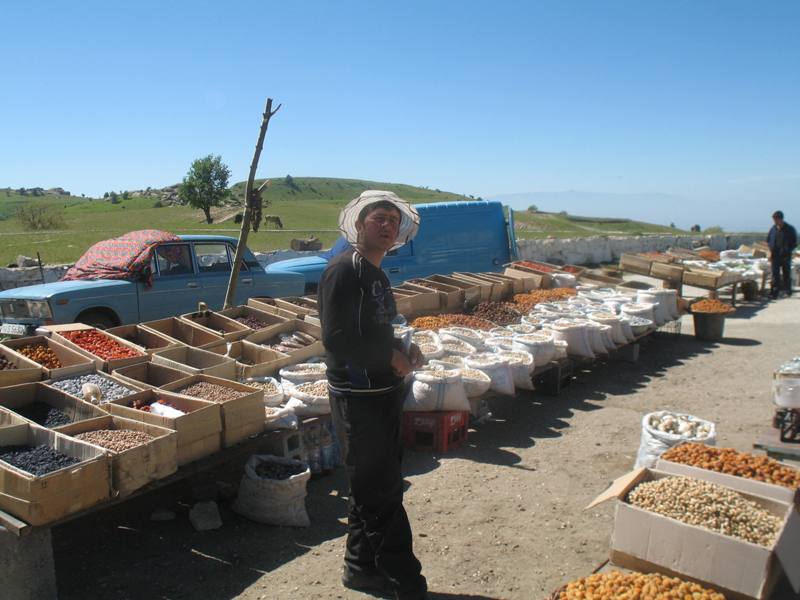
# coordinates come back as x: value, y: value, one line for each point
x: 183, y: 273
x: 453, y: 236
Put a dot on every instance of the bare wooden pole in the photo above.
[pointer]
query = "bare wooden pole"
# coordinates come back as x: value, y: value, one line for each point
x: 250, y: 200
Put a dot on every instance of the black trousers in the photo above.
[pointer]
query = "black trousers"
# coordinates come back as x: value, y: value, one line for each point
x: 379, y: 534
x: 781, y: 281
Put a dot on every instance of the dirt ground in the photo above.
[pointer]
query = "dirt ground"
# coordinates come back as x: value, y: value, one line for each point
x: 502, y: 517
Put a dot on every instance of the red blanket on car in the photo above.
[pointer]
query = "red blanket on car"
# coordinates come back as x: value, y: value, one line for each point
x: 125, y: 257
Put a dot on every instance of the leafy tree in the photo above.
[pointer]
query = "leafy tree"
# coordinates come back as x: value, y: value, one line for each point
x: 114, y: 197
x: 533, y: 208
x: 714, y: 229
x: 672, y: 226
x: 105, y: 196
x: 22, y: 191
x: 206, y: 184
x: 125, y: 195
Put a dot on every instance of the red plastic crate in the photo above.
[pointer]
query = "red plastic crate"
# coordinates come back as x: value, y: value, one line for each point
x: 436, y: 432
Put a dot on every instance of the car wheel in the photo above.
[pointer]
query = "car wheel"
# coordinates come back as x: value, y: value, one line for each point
x: 100, y: 320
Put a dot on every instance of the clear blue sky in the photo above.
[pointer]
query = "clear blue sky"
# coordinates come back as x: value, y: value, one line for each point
x: 699, y: 100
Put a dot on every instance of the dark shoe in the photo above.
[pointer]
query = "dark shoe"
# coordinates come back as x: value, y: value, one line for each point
x: 371, y: 582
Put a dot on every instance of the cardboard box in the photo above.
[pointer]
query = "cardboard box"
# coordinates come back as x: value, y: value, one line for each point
x: 472, y: 292
x: 648, y: 541
x: 218, y: 324
x: 102, y: 363
x: 530, y: 281
x: 251, y: 357
x: 47, y: 498
x: 271, y: 319
x: 26, y: 371
x: 241, y: 417
x: 198, y: 431
x: 489, y: 290
x: 149, y: 375
x: 73, y: 363
x: 136, y: 467
x: 451, y: 298
x: 16, y: 397
x: 184, y: 332
x: 296, y: 356
x: 196, y: 361
x: 148, y: 339
x: 742, y: 484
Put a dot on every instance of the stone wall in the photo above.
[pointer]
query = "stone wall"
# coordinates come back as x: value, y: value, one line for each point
x: 22, y: 276
x: 595, y: 250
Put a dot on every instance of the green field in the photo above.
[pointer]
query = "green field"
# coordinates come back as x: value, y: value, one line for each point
x: 310, y: 205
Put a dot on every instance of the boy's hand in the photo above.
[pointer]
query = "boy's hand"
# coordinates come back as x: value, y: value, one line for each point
x: 400, y: 363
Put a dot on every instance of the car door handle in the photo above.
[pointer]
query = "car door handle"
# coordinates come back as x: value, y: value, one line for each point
x: 192, y: 284
x: 394, y: 270
x: 248, y: 280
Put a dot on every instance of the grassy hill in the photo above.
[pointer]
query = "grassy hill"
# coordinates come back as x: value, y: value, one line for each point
x: 306, y: 205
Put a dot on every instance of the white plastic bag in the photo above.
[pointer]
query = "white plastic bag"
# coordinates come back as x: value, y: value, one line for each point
x: 576, y: 335
x: 654, y: 442
x: 498, y: 344
x: 281, y: 418
x: 471, y: 336
x: 437, y: 390
x: 496, y: 368
x: 273, y: 501
x: 429, y: 344
x: 522, y: 365
x: 306, y: 404
x: 448, y: 361
x: 564, y: 280
x: 303, y: 372
x: 275, y: 399
x: 476, y: 383
x: 455, y: 346
x: 540, y: 344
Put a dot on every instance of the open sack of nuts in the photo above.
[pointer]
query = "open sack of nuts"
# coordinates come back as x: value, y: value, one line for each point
x: 661, y: 430
x: 273, y: 491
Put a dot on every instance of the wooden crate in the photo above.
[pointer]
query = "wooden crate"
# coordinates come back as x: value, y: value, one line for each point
x: 103, y: 364
x: 530, y: 281
x: 16, y: 397
x: 198, y: 431
x: 148, y: 339
x: 451, y: 299
x: 634, y: 263
x: 218, y: 324
x: 472, y: 291
x: 149, y: 375
x: 136, y: 467
x: 73, y: 363
x: 296, y: 356
x: 26, y: 370
x: 708, y: 279
x: 666, y: 271
x: 490, y: 290
x: 196, y: 361
x: 39, y: 500
x: 241, y: 417
x: 251, y: 358
x: 268, y: 304
x: 271, y: 320
x: 185, y: 333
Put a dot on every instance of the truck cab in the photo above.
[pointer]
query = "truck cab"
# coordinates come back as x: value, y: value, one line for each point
x: 453, y: 236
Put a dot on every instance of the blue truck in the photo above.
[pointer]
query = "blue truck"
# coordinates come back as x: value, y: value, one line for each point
x: 196, y: 268
x: 453, y: 236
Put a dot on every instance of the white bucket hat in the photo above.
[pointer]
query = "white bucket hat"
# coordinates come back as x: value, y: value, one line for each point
x: 409, y: 217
